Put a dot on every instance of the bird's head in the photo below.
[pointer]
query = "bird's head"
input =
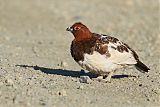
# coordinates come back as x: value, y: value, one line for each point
x: 80, y: 31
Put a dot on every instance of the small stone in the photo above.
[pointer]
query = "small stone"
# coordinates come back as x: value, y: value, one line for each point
x: 140, y: 85
x: 25, y: 103
x: 157, y: 91
x: 134, y: 79
x: 35, y: 50
x: 18, y: 78
x: 85, y: 79
x: 84, y: 71
x: 62, y: 93
x: 63, y: 64
x: 42, y: 102
x: 14, y: 99
x: 148, y: 99
x: 80, y: 87
x: 9, y: 82
x: 73, y: 79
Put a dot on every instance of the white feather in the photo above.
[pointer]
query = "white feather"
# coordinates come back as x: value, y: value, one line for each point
x: 120, y: 57
x: 97, y: 63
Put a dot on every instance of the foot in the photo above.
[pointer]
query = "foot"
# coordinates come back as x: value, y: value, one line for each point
x: 106, y: 79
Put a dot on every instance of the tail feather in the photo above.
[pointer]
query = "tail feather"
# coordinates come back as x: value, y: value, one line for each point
x: 142, y: 67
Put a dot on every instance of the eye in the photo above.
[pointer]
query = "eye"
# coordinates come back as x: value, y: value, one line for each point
x: 77, y: 28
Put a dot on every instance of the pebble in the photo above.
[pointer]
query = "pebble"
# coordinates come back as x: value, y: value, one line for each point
x: 63, y: 64
x: 140, y: 85
x: 74, y: 79
x: 81, y: 87
x: 134, y: 79
x: 14, y: 99
x: 157, y: 91
x: 42, y: 102
x: 35, y: 50
x: 85, y: 79
x: 25, y: 103
x: 62, y: 92
x: 18, y: 78
x: 9, y: 82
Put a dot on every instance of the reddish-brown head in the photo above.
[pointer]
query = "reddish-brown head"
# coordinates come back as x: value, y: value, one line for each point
x: 80, y: 31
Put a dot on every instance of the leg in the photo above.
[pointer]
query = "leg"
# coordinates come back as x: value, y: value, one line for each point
x: 108, y: 78
x: 105, y: 77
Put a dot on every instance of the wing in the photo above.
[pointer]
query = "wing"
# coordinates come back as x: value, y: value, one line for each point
x: 116, y: 51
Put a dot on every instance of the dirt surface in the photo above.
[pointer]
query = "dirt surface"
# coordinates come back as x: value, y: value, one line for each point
x: 36, y: 68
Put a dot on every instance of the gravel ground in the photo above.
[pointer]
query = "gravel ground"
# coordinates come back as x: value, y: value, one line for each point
x: 36, y: 68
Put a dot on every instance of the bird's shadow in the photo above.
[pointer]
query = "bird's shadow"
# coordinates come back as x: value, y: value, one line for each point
x: 66, y: 72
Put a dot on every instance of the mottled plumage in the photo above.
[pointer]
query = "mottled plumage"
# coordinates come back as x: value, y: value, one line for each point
x: 101, y: 54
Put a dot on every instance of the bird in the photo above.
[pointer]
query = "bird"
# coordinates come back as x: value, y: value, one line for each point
x: 101, y: 54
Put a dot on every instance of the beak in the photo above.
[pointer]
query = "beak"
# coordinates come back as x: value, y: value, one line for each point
x: 69, y: 29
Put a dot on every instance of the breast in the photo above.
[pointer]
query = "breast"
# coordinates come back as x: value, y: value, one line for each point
x: 79, y: 48
x: 97, y: 63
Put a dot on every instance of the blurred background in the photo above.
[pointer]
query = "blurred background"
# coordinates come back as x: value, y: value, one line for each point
x: 32, y: 32
x: 26, y: 23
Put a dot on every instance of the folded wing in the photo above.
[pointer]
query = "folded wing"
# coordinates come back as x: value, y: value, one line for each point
x: 120, y: 53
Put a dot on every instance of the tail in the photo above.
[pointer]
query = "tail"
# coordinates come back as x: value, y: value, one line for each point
x: 142, y: 67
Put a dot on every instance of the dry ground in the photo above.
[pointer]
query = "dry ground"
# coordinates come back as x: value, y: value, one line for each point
x: 36, y: 68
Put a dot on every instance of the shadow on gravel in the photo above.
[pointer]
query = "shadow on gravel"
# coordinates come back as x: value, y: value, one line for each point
x: 59, y: 71
x: 68, y: 72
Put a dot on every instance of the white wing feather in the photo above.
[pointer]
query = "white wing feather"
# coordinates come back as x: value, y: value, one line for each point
x: 116, y: 56
x: 120, y: 57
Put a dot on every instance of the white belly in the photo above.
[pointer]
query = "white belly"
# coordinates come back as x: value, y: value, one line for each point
x: 97, y: 63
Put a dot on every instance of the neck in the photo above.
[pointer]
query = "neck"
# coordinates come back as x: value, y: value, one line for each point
x: 83, y: 36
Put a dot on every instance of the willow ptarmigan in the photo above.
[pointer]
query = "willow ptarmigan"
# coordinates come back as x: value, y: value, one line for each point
x: 101, y: 54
